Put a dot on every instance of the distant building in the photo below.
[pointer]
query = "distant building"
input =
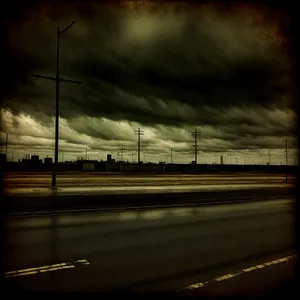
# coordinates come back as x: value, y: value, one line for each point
x: 108, y: 157
x: 48, y: 160
x: 25, y: 160
x: 221, y: 160
x: 88, y: 166
x: 35, y: 158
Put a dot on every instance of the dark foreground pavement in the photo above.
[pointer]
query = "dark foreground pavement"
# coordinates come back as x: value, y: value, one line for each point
x: 150, y: 250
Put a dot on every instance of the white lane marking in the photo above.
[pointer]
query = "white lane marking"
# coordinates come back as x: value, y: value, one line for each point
x: 48, y: 268
x: 82, y: 261
x: 246, y: 270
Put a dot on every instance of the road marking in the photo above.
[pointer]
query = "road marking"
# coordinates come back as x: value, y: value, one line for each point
x: 82, y: 262
x: 243, y: 271
x: 48, y: 268
x: 224, y: 277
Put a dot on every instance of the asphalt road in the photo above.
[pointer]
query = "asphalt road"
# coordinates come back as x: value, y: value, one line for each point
x: 47, y: 199
x: 12, y: 180
x: 150, y: 250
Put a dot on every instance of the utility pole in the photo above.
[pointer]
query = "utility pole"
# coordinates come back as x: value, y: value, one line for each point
x: 139, y: 132
x: 195, y: 134
x: 172, y: 149
x: 118, y: 153
x: 286, y: 152
x: 57, y: 80
x: 122, y: 152
x: 286, y: 158
x: 6, y: 143
x: 144, y: 157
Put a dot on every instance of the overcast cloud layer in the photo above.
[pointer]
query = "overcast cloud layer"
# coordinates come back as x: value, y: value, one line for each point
x: 167, y: 68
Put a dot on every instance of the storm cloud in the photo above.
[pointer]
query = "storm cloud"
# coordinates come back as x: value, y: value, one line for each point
x: 165, y: 67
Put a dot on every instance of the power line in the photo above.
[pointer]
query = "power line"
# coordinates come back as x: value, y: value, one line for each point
x: 195, y: 134
x: 139, y: 132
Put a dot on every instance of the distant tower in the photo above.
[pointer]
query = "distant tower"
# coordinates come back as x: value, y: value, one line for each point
x: 221, y: 160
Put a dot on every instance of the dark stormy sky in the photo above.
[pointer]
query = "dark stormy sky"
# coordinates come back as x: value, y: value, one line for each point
x: 167, y: 68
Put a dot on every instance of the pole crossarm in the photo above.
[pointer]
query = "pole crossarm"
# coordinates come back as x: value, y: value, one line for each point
x: 54, y: 79
x: 59, y: 33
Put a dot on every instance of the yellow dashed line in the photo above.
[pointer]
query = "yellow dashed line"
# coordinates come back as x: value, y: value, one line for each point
x: 260, y: 266
x: 197, y: 285
x: 68, y: 267
x: 27, y: 270
x: 224, y: 277
x: 270, y: 263
x: 250, y: 269
x: 28, y: 273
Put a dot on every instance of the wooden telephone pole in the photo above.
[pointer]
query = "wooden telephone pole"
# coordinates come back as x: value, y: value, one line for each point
x: 57, y: 80
x: 172, y: 149
x: 286, y: 158
x: 139, y: 132
x: 196, y: 134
